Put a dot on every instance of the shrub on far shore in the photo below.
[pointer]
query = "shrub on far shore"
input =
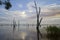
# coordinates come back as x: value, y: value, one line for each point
x: 53, y: 32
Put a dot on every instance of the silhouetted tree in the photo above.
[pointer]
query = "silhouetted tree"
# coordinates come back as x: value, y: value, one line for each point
x: 38, y: 21
x: 6, y: 3
x: 0, y: 2
x: 14, y: 24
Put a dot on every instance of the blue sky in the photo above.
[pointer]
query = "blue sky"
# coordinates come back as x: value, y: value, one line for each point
x: 22, y: 10
x: 24, y: 3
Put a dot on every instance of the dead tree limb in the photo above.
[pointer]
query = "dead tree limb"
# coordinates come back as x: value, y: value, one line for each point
x: 38, y: 22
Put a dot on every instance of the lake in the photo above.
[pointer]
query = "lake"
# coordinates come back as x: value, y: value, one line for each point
x: 21, y: 32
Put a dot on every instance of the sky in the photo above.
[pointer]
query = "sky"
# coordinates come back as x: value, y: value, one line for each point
x: 24, y: 11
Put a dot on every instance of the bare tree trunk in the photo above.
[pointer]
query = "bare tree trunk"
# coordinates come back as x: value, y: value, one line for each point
x: 38, y: 22
x: 37, y: 27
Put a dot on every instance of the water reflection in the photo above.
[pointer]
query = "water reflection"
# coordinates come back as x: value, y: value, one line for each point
x: 12, y: 33
x: 18, y: 32
x: 23, y: 35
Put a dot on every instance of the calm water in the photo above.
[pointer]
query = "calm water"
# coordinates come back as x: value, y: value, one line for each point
x: 19, y: 33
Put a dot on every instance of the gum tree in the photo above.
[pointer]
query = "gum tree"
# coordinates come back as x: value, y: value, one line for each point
x: 6, y: 3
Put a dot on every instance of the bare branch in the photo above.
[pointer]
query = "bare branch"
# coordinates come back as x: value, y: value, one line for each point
x: 39, y: 10
x: 36, y: 7
x: 40, y: 21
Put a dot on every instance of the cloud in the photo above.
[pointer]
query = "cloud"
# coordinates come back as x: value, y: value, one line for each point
x: 46, y: 10
x: 29, y: 15
x: 51, y: 8
x: 6, y: 15
x: 50, y: 13
x: 30, y: 6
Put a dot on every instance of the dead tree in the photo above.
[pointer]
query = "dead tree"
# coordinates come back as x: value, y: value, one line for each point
x: 14, y: 24
x: 38, y: 21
